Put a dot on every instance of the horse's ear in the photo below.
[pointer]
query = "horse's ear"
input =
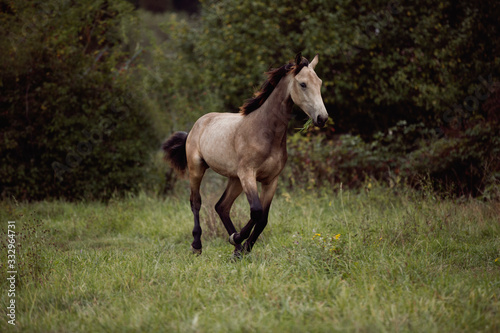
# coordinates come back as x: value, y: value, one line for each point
x: 298, y: 58
x: 314, y: 62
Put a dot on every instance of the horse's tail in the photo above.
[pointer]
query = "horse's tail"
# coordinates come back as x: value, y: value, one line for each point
x: 175, y: 152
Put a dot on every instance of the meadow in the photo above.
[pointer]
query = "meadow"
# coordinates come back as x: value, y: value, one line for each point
x: 375, y: 260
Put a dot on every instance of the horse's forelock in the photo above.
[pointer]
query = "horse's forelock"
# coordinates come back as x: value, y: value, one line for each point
x: 300, y: 64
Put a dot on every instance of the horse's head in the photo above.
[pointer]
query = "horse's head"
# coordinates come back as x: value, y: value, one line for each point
x: 306, y: 91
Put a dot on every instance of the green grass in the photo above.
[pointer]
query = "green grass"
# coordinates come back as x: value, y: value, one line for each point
x: 403, y: 262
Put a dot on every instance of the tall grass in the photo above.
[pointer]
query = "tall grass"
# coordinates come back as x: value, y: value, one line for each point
x: 371, y: 261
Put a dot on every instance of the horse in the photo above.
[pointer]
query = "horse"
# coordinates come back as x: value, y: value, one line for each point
x: 247, y: 147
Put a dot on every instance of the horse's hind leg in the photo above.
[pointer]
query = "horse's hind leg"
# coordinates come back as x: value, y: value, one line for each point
x: 223, y: 206
x: 196, y: 173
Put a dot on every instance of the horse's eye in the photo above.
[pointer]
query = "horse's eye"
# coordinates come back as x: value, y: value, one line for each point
x: 303, y: 85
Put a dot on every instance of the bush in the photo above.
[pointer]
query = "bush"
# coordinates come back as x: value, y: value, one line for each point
x: 72, y: 124
x: 466, y: 165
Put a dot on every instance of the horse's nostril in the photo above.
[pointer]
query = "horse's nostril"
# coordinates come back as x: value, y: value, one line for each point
x: 320, y: 121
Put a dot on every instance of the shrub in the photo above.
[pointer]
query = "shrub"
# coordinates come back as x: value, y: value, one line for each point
x: 315, y: 162
x: 72, y: 124
x: 465, y: 165
x: 468, y: 164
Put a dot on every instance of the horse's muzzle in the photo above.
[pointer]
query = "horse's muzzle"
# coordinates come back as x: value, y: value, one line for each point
x: 320, y: 121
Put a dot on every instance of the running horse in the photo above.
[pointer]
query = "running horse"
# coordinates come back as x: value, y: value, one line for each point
x: 247, y: 147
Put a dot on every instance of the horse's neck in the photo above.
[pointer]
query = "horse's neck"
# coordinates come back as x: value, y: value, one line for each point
x: 277, y: 110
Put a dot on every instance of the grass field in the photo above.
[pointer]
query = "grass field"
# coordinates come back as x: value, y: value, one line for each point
x: 377, y: 261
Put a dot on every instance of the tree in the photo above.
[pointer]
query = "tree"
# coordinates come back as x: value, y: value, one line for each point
x: 71, y: 126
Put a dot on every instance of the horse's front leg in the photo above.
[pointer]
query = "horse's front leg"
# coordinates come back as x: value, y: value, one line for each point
x: 259, y: 212
x: 266, y: 197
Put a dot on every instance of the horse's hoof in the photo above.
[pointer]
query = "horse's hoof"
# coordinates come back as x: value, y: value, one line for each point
x: 231, y: 239
x: 195, y: 251
x: 237, y: 255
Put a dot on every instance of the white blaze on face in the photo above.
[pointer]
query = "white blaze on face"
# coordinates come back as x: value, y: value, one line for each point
x: 306, y: 93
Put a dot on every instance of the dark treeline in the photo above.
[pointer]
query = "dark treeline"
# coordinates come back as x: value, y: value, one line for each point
x: 89, y: 89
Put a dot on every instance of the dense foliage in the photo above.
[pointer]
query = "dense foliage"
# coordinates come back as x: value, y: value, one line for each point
x: 380, y: 61
x: 459, y: 166
x: 411, y: 88
x: 71, y: 126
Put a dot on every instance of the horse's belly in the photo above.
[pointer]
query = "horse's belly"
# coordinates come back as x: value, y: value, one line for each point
x: 224, y: 167
x: 221, y: 158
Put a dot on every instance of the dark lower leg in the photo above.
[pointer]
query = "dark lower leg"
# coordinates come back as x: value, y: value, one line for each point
x: 196, y: 172
x: 267, y: 195
x: 223, y: 207
x: 257, y: 230
x: 255, y: 216
x: 195, y: 207
x: 246, y: 230
x: 228, y: 224
x: 226, y: 220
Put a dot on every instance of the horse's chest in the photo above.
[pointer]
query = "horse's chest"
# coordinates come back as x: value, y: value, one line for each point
x: 272, y: 166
